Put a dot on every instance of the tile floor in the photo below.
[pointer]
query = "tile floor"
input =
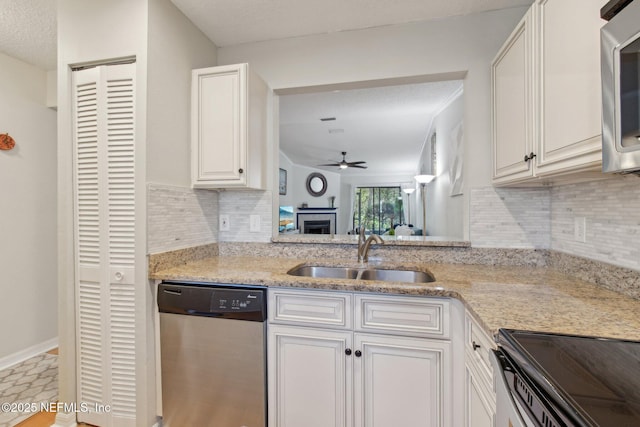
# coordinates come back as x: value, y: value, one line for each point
x: 33, y: 381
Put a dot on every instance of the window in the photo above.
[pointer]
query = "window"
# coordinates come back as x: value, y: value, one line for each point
x: 378, y: 209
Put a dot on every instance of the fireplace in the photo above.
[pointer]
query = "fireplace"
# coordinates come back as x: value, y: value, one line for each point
x: 317, y: 227
x: 316, y: 223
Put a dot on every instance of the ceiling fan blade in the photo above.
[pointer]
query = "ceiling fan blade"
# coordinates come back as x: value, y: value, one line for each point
x: 344, y: 164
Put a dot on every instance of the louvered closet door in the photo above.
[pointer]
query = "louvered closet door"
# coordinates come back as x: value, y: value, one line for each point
x: 104, y: 154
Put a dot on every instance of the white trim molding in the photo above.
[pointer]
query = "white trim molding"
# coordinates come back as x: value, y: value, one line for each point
x: 28, y: 353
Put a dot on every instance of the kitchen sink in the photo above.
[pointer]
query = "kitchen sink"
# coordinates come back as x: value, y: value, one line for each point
x: 379, y: 274
x: 324, y: 272
x: 384, y: 275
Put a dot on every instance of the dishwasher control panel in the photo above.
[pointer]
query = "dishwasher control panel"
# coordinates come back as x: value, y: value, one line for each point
x: 232, y: 299
x: 213, y: 300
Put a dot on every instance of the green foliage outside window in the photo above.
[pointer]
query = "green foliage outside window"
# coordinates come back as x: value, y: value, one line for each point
x: 378, y: 209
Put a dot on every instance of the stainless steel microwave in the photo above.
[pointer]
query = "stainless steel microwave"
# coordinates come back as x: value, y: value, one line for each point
x: 620, y: 54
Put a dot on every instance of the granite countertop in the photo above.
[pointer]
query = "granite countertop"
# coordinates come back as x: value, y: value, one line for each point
x: 529, y: 298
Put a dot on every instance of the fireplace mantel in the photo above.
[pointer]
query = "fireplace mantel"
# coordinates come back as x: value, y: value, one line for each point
x: 317, y: 209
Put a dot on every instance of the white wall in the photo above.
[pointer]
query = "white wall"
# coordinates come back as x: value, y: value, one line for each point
x: 459, y: 44
x: 28, y: 311
x: 444, y: 211
x: 176, y: 47
x: 178, y: 216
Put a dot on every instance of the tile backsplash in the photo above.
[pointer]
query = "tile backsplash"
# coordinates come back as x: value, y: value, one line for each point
x: 510, y: 217
x: 611, y: 209
x: 240, y: 205
x: 544, y: 218
x: 179, y: 218
x: 536, y: 218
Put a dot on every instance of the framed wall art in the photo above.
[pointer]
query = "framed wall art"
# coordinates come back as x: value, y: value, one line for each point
x: 282, y: 186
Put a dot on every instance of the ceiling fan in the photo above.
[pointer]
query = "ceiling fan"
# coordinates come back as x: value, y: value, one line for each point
x: 344, y: 164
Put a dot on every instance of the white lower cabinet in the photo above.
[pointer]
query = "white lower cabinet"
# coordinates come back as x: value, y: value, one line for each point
x: 309, y: 377
x: 324, y: 375
x: 480, y: 395
x: 480, y: 407
x: 400, y: 381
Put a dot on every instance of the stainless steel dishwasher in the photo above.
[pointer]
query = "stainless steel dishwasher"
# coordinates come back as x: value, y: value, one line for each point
x: 213, y: 355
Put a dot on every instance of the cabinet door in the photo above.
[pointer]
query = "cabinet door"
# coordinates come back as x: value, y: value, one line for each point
x: 569, y: 84
x: 309, y: 377
x: 219, y: 126
x: 513, y: 109
x: 402, y: 381
x: 479, y: 411
x: 106, y: 242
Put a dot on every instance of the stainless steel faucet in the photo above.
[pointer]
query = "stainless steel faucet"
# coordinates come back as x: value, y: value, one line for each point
x: 364, y: 245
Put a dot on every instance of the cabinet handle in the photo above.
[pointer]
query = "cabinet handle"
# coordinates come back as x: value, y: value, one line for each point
x: 358, y: 353
x: 475, y: 346
x: 240, y: 170
x: 529, y: 157
x: 348, y: 352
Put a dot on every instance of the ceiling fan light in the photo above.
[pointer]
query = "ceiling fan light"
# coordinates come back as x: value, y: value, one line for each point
x: 343, y: 166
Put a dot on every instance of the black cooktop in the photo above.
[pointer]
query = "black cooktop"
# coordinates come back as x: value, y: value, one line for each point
x: 595, y: 380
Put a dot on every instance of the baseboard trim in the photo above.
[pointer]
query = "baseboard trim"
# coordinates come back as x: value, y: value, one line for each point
x: 65, y: 420
x: 22, y: 355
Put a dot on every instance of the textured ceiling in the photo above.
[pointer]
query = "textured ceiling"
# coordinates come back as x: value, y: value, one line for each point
x: 231, y: 22
x: 395, y: 120
x: 28, y: 31
x: 28, y: 27
x: 384, y: 126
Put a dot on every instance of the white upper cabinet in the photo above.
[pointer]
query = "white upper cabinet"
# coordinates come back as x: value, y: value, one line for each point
x: 512, y: 103
x: 228, y: 128
x: 546, y: 95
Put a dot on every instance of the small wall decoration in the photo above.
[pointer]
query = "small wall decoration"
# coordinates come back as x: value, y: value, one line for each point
x: 282, y: 187
x: 286, y: 219
x: 455, y: 168
x: 434, y: 155
x: 316, y: 184
x: 6, y: 142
